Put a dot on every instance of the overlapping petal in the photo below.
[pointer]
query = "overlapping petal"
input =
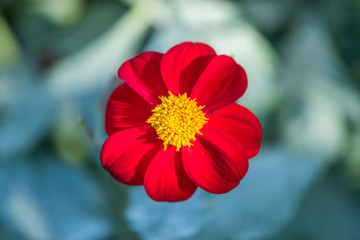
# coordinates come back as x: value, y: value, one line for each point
x: 216, y: 162
x: 166, y: 179
x: 190, y: 75
x: 125, y: 109
x: 127, y: 154
x: 242, y: 124
x: 178, y: 58
x: 222, y: 82
x: 142, y: 73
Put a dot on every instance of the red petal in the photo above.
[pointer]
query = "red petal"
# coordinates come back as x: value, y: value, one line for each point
x: 166, y: 179
x: 192, y: 73
x: 222, y: 83
x: 125, y: 109
x: 127, y: 154
x: 216, y: 162
x: 242, y: 124
x: 177, y: 59
x: 142, y: 73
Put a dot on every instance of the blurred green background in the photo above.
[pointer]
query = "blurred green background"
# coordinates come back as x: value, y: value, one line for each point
x: 58, y: 63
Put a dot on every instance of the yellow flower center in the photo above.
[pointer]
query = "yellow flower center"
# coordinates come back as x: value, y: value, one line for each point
x: 177, y: 119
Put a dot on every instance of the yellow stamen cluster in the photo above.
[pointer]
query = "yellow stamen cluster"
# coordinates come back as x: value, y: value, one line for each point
x: 177, y: 119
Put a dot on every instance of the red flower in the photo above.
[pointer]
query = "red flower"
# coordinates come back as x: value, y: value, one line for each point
x: 173, y: 126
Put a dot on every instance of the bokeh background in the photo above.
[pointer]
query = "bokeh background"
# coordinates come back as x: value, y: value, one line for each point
x: 58, y: 63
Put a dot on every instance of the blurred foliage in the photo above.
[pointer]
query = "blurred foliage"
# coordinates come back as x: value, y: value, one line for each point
x: 58, y: 63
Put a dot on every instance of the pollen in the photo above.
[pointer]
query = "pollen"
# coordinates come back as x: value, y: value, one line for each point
x: 177, y: 119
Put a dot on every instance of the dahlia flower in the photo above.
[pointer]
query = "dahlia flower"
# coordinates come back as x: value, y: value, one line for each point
x: 173, y: 125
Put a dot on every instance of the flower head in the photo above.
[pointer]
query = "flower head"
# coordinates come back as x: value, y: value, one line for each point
x: 173, y: 125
